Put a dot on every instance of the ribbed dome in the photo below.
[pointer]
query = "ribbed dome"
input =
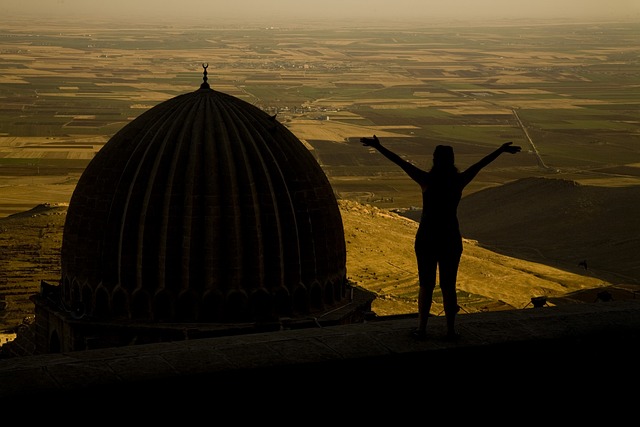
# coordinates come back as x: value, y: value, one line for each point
x: 203, y: 209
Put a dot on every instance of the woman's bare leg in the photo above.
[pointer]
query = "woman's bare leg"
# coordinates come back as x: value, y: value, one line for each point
x: 448, y: 279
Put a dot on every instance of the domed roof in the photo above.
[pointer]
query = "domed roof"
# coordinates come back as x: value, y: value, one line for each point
x: 203, y: 209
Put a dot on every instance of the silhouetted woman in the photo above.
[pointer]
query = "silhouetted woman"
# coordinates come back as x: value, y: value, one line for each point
x: 438, y: 243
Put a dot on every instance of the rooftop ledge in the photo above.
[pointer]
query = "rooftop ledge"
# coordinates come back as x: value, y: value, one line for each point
x: 592, y: 341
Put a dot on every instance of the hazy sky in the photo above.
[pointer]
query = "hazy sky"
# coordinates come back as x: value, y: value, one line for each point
x: 342, y: 9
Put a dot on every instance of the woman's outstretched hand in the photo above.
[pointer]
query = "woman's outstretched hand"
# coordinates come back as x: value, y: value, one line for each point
x: 370, y: 142
x: 507, y: 147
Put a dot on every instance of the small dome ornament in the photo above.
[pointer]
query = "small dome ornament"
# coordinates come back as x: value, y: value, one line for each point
x: 204, y: 84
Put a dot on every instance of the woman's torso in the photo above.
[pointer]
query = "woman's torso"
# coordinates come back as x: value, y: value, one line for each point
x: 440, y: 198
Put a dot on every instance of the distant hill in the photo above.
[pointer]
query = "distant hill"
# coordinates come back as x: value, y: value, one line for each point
x: 560, y: 223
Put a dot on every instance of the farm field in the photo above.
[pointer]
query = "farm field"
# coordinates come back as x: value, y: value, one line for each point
x: 569, y: 94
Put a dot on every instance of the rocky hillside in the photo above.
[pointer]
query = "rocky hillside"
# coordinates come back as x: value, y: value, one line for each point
x: 30, y: 243
x: 523, y: 240
x: 380, y: 258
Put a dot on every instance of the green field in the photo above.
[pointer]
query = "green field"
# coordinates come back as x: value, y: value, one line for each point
x: 574, y: 87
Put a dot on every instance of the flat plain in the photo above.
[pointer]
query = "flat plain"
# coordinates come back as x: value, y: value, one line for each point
x: 568, y: 93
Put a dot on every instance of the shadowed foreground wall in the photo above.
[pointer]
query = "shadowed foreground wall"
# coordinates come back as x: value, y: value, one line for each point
x: 568, y: 349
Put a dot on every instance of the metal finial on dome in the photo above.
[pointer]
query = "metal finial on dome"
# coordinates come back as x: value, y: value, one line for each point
x: 204, y: 84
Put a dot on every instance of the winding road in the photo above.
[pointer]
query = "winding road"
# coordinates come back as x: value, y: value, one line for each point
x: 533, y: 146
